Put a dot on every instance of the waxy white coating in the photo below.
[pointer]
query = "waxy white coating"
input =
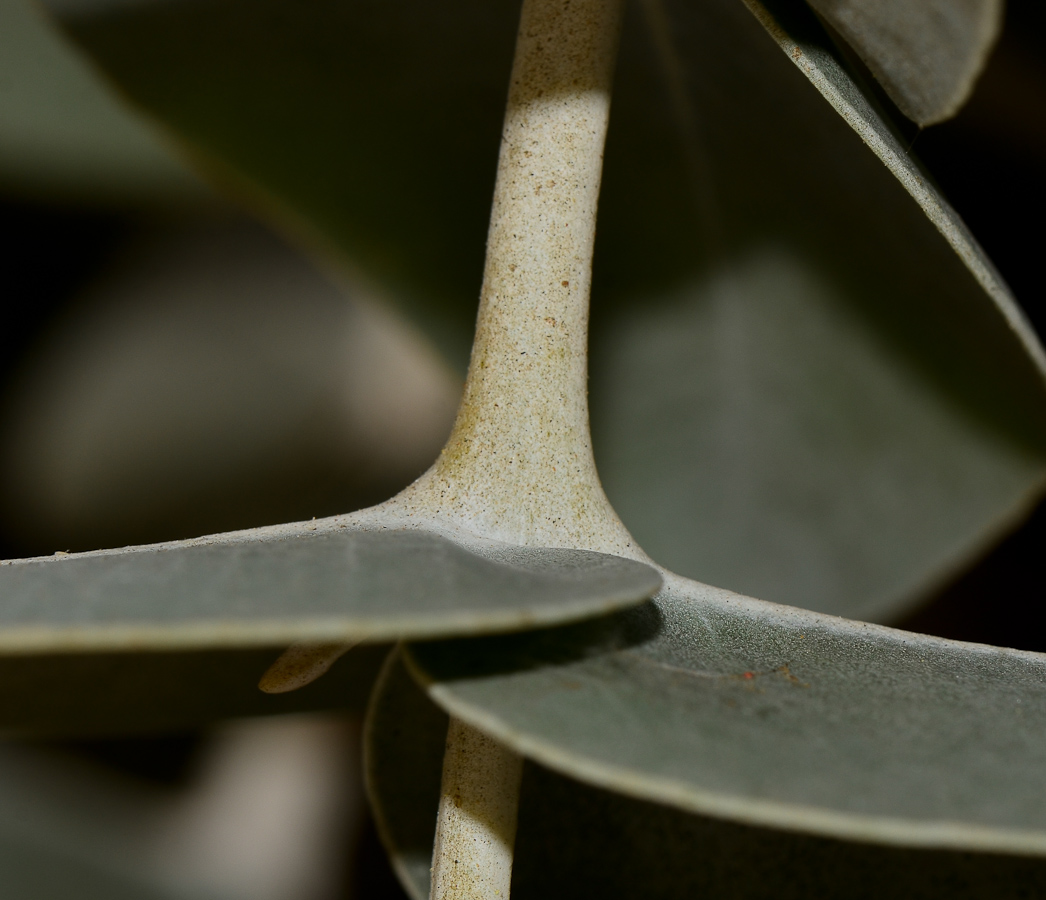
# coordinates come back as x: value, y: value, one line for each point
x: 476, y: 824
x: 518, y: 466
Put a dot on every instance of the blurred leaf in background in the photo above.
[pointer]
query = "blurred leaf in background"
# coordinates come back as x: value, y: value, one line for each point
x: 64, y: 135
x: 260, y: 810
x: 212, y: 379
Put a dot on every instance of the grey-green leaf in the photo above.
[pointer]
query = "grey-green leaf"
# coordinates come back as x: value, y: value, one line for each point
x: 328, y: 581
x: 284, y: 99
x: 575, y: 840
x: 403, y: 740
x: 926, y: 55
x: 806, y: 386
x: 721, y: 705
x: 64, y: 134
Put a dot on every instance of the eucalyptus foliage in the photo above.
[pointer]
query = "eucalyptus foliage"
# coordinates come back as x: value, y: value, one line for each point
x: 808, y: 384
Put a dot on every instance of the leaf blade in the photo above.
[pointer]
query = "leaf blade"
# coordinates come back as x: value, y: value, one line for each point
x: 731, y: 707
x: 577, y: 840
x: 324, y: 582
x: 744, y: 360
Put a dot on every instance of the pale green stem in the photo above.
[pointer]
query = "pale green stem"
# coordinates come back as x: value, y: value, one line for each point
x: 518, y: 465
x: 519, y: 462
x: 476, y: 825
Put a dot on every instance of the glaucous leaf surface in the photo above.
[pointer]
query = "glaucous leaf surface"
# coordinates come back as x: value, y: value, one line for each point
x: 804, y: 387
x: 575, y: 840
x: 364, y: 578
x: 926, y: 55
x: 63, y: 133
x: 316, y: 111
x: 403, y: 741
x: 722, y: 705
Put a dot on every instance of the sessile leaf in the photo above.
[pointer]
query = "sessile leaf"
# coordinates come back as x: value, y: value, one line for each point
x: 717, y: 704
x: 792, y: 360
x: 576, y: 840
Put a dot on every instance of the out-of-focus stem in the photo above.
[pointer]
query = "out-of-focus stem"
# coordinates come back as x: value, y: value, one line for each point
x: 300, y: 664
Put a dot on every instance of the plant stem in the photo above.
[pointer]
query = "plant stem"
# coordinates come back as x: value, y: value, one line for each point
x: 518, y: 465
x: 476, y: 826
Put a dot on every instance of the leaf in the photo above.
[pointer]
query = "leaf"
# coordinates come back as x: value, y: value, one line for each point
x: 806, y: 386
x: 771, y: 716
x: 63, y: 132
x: 793, y: 391
x: 404, y: 735
x: 282, y: 101
x: 371, y: 577
x: 214, y: 379
x: 575, y: 840
x: 927, y: 56
x: 806, y: 460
